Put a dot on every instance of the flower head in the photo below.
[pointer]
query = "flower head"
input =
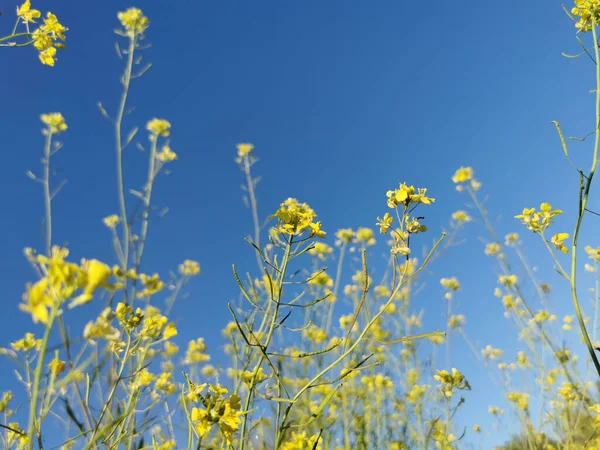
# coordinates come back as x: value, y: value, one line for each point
x: 134, y: 21
x: 55, y: 123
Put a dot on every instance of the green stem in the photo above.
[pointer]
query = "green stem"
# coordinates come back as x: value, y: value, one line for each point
x: 583, y: 199
x: 37, y: 379
x: 47, y: 197
x: 119, y: 146
x: 254, y: 208
x: 12, y: 36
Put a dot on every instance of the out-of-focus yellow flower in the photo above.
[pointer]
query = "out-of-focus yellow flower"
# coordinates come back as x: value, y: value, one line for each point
x: 159, y: 127
x: 143, y: 378
x: 567, y: 323
x: 457, y: 321
x: 450, y: 284
x: 520, y: 399
x: 345, y: 235
x: 166, y: 154
x: 96, y: 275
x: 511, y: 239
x: 244, y: 149
x: 152, y: 285
x: 56, y: 366
x: 55, y: 122
x: 461, y: 216
x: 385, y: 223
x: 102, y: 327
x: 28, y: 343
x: 112, y: 221
x: 508, y: 280
x: 593, y: 253
x: 320, y: 279
x: 300, y: 441
x: 189, y: 268
x: 5, y: 400
x: 462, y: 175
x: 165, y: 385
x: 196, y: 352
x: 491, y: 353
x: 492, y: 249
x: 134, y: 21
x: 320, y: 250
x: 495, y: 411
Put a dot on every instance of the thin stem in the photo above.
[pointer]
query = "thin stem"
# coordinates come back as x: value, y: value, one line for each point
x: 37, y: 379
x: 583, y: 199
x: 47, y: 196
x: 254, y: 207
x: 147, y: 200
x: 119, y: 146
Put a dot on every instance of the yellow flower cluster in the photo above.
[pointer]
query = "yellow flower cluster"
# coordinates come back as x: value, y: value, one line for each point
x: 492, y: 249
x: 61, y: 281
x: 457, y: 321
x: 520, y: 399
x: 300, y: 441
x: 461, y: 216
x: 102, y: 327
x: 320, y: 250
x: 152, y: 285
x: 407, y: 195
x: 166, y: 154
x: 451, y: 381
x: 196, y: 352
x: 344, y: 235
x: 558, y: 241
x: 45, y: 36
x: 538, y: 221
x: 134, y: 21
x: 218, y: 410
x: 28, y: 343
x: 158, y: 127
x: 593, y: 253
x: 588, y: 12
x: 464, y: 175
x: 244, y: 149
x: 316, y: 334
x: 491, y: 353
x: 189, y: 268
x: 450, y: 284
x: 55, y: 123
x: 320, y: 279
x: 294, y: 218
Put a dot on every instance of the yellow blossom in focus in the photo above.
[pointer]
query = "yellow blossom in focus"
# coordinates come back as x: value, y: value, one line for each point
x: 27, y: 14
x: 200, y: 421
x: 558, y: 241
x: 55, y: 122
x: 588, y: 12
x: 134, y: 21
x: 294, y: 218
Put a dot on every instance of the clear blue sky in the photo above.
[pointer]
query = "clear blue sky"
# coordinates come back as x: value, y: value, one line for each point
x: 343, y: 100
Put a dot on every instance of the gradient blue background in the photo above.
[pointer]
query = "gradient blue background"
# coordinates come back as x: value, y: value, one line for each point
x: 343, y: 101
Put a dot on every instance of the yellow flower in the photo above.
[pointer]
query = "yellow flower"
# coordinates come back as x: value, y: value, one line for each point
x: 450, y: 284
x: 588, y: 12
x: 6, y: 398
x: 166, y: 154
x: 320, y: 250
x: 320, y: 279
x: 27, y: 14
x: 164, y: 384
x: 169, y: 331
x: 345, y: 235
x: 159, y: 127
x: 495, y: 411
x: 491, y: 353
x: 538, y: 221
x: 492, y: 249
x: 196, y: 352
x: 521, y: 400
x: 28, y: 343
x: 365, y: 235
x: 451, y: 381
x: 189, y: 268
x: 56, y: 367
x: 55, y: 121
x: 511, y: 238
x: 593, y: 253
x: 102, y: 327
x: 461, y: 216
x: 96, y: 275
x: 171, y: 349
x: 112, y: 221
x: 244, y: 149
x: 201, y: 422
x: 134, y: 21
x: 405, y: 195
x: 294, y: 218
x: 508, y: 280
x: 558, y: 241
x: 37, y: 301
x: 152, y: 285
x: 385, y: 223
x: 463, y: 175
x: 143, y: 378
x: 456, y: 321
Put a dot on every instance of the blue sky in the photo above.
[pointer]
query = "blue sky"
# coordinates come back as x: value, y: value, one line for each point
x: 343, y: 100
